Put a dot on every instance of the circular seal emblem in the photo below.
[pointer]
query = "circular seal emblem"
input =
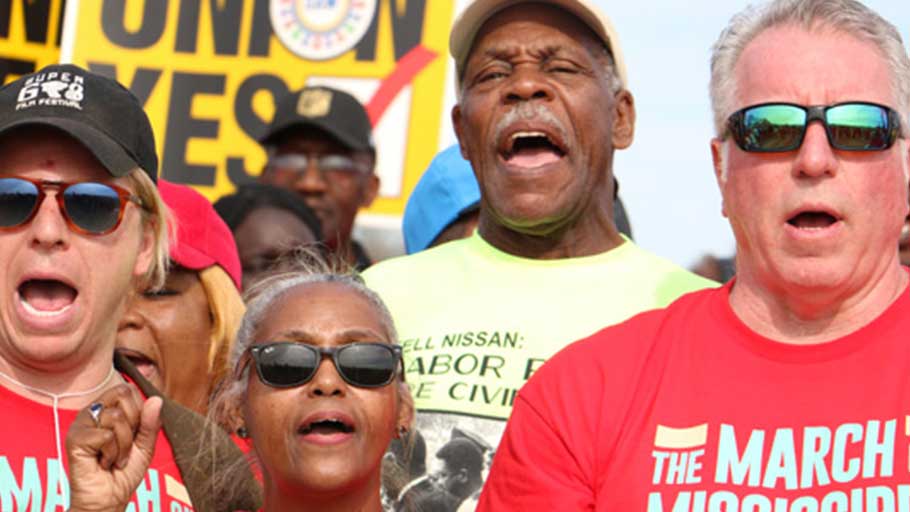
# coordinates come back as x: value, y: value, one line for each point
x: 320, y: 29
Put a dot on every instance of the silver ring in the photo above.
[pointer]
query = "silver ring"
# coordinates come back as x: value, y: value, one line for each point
x: 94, y: 411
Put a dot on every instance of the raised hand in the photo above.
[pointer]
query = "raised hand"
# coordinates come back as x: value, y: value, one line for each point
x: 109, y: 447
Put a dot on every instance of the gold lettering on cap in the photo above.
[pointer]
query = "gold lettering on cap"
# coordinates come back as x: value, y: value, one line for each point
x: 314, y: 103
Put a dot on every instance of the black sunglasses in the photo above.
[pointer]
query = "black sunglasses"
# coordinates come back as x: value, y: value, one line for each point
x: 89, y: 208
x: 779, y: 127
x: 287, y: 364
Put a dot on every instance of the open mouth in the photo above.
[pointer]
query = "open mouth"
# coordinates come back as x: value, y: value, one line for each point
x: 531, y: 149
x: 812, y: 220
x: 46, y: 297
x: 326, y: 427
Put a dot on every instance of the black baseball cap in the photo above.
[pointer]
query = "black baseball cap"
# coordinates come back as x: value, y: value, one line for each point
x: 101, y: 114
x: 336, y: 112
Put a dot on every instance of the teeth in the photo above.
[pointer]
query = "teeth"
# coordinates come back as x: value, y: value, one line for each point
x: 46, y: 314
x: 517, y: 135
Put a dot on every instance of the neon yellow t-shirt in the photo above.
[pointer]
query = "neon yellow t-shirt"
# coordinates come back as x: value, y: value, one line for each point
x: 476, y: 322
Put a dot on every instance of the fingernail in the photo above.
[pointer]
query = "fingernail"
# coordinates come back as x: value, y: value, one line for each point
x: 121, y: 464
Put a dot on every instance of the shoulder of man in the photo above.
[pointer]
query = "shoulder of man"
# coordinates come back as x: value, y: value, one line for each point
x: 670, y: 280
x: 606, y: 366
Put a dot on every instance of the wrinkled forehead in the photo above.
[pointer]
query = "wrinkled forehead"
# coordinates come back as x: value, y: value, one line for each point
x: 812, y: 66
x: 505, y: 27
x: 325, y: 307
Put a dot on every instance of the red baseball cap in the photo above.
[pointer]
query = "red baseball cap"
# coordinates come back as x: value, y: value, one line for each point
x: 203, y: 239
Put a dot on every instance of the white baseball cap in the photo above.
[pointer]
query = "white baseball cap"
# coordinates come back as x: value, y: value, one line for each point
x: 479, y: 11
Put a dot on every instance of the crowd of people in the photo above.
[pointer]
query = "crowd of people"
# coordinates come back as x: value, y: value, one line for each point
x: 159, y: 352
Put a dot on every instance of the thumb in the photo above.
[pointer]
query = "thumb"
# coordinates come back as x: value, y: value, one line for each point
x: 149, y: 425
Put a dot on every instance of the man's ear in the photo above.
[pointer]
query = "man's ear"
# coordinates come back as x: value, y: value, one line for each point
x: 457, y: 120
x: 719, y: 155
x: 370, y: 190
x: 146, y: 255
x: 370, y: 184
x: 623, y: 119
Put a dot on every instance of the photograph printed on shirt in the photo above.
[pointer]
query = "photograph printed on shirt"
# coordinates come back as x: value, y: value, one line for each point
x: 441, y: 464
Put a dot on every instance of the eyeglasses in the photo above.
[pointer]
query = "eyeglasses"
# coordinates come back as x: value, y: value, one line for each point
x: 286, y: 364
x: 779, y: 127
x: 89, y: 208
x: 295, y: 164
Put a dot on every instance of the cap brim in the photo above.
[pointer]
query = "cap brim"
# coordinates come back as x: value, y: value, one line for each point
x: 190, y: 258
x: 110, y: 154
x: 331, y: 128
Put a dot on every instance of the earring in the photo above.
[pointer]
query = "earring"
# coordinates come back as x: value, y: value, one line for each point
x: 243, y: 433
x: 402, y: 431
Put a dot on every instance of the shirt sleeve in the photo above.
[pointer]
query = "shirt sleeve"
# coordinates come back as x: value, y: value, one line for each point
x: 535, y: 468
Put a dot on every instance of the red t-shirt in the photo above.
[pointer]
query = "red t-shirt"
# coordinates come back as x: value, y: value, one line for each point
x: 687, y: 409
x: 30, y: 477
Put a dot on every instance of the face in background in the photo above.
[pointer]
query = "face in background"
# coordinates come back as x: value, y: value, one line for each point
x: 264, y: 236
x: 335, y: 197
x: 293, y: 451
x: 815, y: 218
x: 167, y: 335
x: 539, y: 122
x: 63, y: 292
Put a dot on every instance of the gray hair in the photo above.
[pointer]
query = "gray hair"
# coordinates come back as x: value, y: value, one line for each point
x: 849, y: 16
x: 308, y: 268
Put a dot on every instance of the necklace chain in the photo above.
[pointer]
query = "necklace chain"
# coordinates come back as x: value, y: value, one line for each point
x: 56, y: 397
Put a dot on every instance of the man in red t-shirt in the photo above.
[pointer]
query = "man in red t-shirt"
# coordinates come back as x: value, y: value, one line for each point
x: 789, y: 388
x: 80, y: 219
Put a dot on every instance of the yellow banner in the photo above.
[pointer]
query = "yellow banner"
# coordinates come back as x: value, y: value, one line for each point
x: 30, y: 34
x: 209, y: 72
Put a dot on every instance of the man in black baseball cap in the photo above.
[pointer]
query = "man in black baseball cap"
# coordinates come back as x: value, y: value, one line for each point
x: 320, y: 146
x: 81, y: 221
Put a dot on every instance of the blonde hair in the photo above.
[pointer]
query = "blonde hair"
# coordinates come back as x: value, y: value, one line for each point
x: 227, y: 310
x: 157, y: 217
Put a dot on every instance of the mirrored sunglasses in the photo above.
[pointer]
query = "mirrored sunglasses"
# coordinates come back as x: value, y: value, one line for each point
x: 779, y: 127
x: 89, y: 208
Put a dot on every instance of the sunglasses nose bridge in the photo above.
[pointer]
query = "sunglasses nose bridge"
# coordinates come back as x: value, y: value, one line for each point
x: 326, y: 379
x: 815, y: 156
x: 48, y: 220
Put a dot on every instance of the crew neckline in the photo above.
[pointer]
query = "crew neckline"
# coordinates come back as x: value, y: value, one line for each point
x: 862, y: 338
x: 477, y: 243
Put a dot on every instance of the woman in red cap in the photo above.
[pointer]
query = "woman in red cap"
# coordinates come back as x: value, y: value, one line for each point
x: 179, y: 337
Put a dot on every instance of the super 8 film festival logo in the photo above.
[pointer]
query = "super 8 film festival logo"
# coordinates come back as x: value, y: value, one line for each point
x: 321, y: 29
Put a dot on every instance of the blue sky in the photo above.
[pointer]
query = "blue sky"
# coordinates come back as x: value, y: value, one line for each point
x: 666, y: 176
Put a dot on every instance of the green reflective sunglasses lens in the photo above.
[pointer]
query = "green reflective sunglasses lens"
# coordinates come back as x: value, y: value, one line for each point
x: 858, y: 127
x: 773, y: 128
